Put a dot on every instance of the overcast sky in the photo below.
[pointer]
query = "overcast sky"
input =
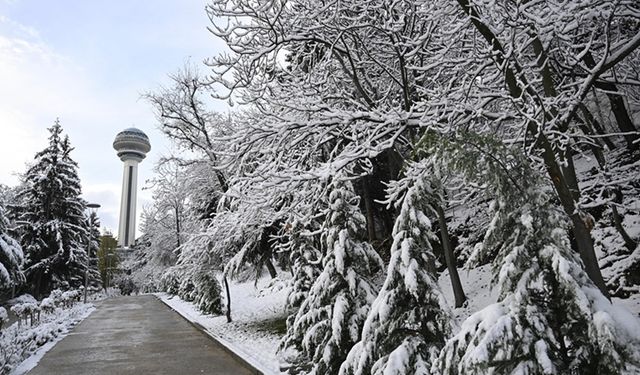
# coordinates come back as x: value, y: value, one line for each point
x: 86, y: 63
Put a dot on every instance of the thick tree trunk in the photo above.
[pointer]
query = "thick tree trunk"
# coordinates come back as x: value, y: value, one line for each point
x: 226, y: 287
x: 450, y: 259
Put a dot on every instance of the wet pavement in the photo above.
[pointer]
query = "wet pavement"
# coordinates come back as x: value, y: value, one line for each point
x: 137, y: 335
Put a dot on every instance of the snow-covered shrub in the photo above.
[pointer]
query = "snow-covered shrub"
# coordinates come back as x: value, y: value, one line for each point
x: 196, y: 284
x: 4, y: 317
x: 56, y: 296
x: 187, y: 288
x: 18, y: 341
x: 19, y: 311
x: 47, y: 305
x: 126, y: 285
x: 170, y: 281
x: 69, y: 297
x: 330, y: 319
x: 207, y: 292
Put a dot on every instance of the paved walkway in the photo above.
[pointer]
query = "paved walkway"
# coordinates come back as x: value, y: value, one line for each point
x: 137, y: 335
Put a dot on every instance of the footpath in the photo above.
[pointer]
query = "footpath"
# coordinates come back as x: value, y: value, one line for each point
x: 137, y: 335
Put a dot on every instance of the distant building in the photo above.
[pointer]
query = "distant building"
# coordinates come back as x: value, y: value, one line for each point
x: 132, y: 146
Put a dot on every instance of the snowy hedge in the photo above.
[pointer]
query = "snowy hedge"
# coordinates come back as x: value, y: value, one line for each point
x: 38, y: 324
x: 200, y: 287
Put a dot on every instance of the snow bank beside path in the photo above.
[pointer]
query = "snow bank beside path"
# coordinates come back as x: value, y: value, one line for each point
x: 258, y: 321
x: 24, y: 346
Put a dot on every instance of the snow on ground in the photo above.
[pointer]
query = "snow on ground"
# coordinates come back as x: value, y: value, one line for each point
x: 477, y: 287
x: 258, y: 321
x: 26, y: 345
x: 258, y: 313
x: 476, y: 284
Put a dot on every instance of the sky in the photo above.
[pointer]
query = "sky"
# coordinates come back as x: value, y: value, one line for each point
x: 87, y: 63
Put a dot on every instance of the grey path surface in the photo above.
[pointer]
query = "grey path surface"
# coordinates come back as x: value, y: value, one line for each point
x: 137, y: 335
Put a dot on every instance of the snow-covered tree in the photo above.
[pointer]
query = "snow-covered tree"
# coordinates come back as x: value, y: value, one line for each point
x: 304, y: 259
x: 330, y: 319
x: 11, y: 256
x: 50, y: 218
x: 409, y: 321
x: 550, y: 317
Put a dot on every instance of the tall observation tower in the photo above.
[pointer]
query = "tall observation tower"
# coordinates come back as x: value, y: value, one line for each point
x: 132, y: 146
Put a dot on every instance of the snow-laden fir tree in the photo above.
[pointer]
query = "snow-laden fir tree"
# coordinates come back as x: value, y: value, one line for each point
x: 11, y: 256
x: 330, y: 319
x: 305, y: 261
x: 550, y: 317
x: 409, y: 321
x: 50, y: 218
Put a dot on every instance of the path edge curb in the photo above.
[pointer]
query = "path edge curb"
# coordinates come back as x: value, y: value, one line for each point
x: 227, y: 349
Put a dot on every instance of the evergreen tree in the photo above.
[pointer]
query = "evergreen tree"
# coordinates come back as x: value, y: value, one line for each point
x: 11, y: 256
x: 330, y: 319
x: 409, y: 321
x: 93, y: 228
x: 50, y: 218
x: 305, y: 261
x: 550, y: 317
x: 107, y: 258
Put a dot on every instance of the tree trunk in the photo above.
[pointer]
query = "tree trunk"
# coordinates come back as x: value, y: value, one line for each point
x: 368, y: 204
x: 177, y: 226
x: 450, y: 258
x: 597, y: 127
x: 226, y: 287
x: 625, y: 124
x: 560, y: 183
x: 272, y: 270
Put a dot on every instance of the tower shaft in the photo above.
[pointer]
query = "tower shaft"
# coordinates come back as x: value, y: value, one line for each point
x: 127, y: 225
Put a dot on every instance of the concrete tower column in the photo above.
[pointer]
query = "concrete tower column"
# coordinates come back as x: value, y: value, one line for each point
x: 132, y: 146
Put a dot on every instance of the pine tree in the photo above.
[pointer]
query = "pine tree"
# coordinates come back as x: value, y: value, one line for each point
x: 50, y: 218
x: 550, y: 318
x: 305, y: 266
x: 409, y: 321
x: 330, y: 319
x: 11, y: 256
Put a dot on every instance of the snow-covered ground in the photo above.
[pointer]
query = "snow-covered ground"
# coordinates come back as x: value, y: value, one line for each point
x: 23, y: 346
x: 258, y: 321
x: 258, y: 313
x: 477, y: 287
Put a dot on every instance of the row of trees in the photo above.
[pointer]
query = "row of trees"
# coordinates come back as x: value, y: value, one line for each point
x: 46, y: 235
x: 362, y: 124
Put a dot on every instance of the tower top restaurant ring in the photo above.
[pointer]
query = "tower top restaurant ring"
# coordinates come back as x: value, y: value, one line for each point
x: 132, y: 143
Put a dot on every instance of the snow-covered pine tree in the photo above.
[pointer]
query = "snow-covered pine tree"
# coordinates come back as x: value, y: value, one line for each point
x: 93, y: 228
x: 550, y: 318
x: 305, y: 261
x: 409, y: 321
x: 330, y: 320
x: 50, y: 218
x: 11, y: 256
